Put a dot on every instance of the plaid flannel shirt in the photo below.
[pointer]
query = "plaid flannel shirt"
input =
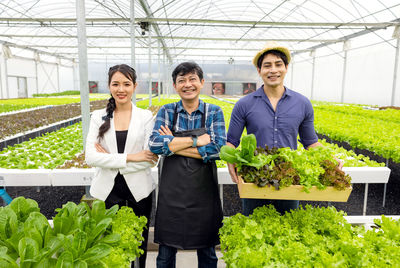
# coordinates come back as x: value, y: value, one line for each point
x: 214, y: 124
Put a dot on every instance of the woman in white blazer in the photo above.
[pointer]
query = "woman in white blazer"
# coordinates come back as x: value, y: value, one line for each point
x: 117, y: 145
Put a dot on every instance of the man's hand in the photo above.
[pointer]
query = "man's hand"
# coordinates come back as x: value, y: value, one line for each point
x: 143, y: 156
x: 232, y: 168
x: 233, y: 173
x: 203, y: 140
x: 165, y: 131
x: 340, y: 163
x: 100, y: 148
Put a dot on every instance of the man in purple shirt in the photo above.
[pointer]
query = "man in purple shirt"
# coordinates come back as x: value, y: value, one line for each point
x: 274, y: 114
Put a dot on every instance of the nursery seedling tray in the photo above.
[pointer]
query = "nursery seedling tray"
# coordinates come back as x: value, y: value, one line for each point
x: 293, y: 192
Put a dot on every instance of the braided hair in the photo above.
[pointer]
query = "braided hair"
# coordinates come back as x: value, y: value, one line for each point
x: 129, y: 73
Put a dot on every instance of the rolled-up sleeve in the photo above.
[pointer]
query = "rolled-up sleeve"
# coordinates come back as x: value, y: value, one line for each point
x: 306, y: 130
x: 158, y: 144
x: 217, y: 135
x: 236, y: 125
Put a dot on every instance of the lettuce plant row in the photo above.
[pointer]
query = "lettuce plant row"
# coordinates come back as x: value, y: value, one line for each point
x: 8, y: 105
x: 53, y: 149
x: 307, y: 237
x: 80, y: 237
x: 47, y: 151
x: 378, y: 136
x: 389, y: 115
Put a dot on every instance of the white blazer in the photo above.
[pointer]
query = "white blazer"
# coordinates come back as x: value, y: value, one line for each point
x: 137, y: 174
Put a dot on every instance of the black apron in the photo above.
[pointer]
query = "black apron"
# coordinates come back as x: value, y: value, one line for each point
x: 189, y: 212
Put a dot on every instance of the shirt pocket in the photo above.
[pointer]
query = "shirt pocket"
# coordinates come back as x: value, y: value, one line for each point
x: 290, y: 123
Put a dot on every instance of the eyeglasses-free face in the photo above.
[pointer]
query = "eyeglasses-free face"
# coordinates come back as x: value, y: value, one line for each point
x: 121, y: 88
x: 188, y: 86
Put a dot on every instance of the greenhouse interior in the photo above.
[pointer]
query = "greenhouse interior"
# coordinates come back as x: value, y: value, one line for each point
x: 292, y: 161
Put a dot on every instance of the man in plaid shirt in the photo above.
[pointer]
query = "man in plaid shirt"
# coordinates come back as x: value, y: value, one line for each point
x: 189, y: 135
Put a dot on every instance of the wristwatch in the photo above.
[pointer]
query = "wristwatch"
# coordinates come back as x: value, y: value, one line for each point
x: 194, y: 138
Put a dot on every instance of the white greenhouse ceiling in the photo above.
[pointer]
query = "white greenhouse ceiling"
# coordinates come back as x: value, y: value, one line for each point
x: 196, y: 29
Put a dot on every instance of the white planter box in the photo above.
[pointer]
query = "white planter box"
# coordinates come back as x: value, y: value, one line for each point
x: 25, y: 177
x: 72, y: 177
x: 84, y: 176
x: 368, y: 174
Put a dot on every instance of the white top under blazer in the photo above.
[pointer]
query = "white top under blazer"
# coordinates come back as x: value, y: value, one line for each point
x: 137, y: 174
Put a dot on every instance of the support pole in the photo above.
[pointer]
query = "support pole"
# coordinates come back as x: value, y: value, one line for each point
x: 159, y: 71
x: 169, y: 80
x: 312, y: 75
x: 133, y: 61
x: 6, y: 76
x: 83, y: 73
x: 75, y: 75
x: 396, y: 66
x: 164, y: 73
x: 36, y: 72
x: 83, y: 68
x: 1, y: 82
x: 149, y: 50
x: 58, y: 76
x: 346, y: 47
x: 385, y: 187
x: 291, y: 73
x: 344, y: 76
x: 365, y: 200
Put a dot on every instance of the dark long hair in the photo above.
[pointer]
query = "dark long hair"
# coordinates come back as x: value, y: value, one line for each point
x: 129, y: 73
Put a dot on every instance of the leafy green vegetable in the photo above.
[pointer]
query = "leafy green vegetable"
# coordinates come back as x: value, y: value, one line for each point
x: 307, y: 237
x: 129, y: 227
x: 81, y: 237
x: 245, y: 155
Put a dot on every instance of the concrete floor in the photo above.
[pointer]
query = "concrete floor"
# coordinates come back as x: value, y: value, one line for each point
x: 184, y: 258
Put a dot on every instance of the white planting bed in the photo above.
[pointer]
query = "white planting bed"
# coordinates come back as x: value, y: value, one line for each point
x: 83, y: 177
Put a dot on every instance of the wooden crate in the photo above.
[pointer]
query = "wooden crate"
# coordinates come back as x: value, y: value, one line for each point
x: 293, y: 192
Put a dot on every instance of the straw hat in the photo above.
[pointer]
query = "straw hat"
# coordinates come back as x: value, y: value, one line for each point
x: 272, y: 45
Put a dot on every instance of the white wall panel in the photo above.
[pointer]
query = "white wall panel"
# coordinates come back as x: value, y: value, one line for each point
x: 370, y: 75
x: 12, y: 87
x: 21, y: 67
x: 3, y: 84
x: 31, y: 83
x: 47, y: 77
x: 397, y: 90
x: 66, y: 78
x: 328, y: 78
x: 302, y: 78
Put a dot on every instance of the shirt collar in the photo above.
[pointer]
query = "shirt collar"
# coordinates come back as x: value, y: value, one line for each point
x: 180, y: 107
x: 260, y: 92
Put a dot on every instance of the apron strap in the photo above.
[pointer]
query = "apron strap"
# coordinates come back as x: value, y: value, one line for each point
x: 175, y: 117
x: 174, y: 121
x: 203, y: 118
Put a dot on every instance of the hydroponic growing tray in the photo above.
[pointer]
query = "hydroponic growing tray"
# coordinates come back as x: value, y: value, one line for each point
x: 293, y: 192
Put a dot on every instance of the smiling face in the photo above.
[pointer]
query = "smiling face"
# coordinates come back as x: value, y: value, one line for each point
x: 272, y: 71
x: 188, y: 86
x: 121, y: 88
x: 218, y: 89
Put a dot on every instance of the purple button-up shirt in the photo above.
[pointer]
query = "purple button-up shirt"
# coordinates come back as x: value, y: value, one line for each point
x: 294, y: 116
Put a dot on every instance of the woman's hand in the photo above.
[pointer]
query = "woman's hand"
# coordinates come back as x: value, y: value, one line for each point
x: 144, y: 155
x: 100, y: 148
